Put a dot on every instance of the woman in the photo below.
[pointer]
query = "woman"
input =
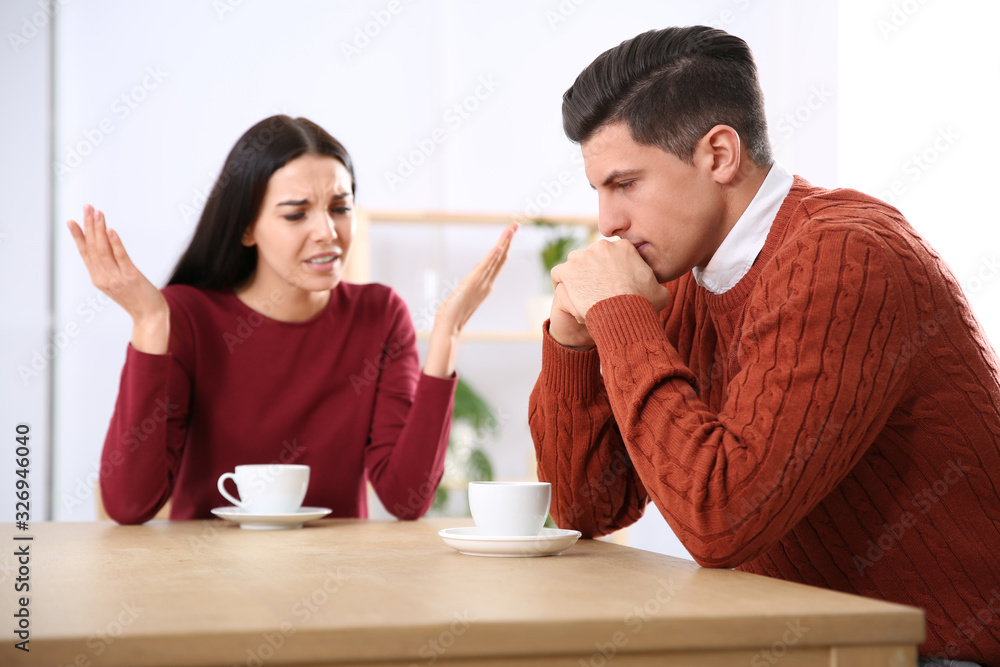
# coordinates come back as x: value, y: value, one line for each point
x: 257, y: 352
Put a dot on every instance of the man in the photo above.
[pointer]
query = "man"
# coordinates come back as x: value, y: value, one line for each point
x: 790, y: 374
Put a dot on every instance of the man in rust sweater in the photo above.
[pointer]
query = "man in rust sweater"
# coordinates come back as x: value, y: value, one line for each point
x: 790, y: 374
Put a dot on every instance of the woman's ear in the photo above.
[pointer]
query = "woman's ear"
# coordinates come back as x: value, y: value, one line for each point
x: 720, y: 150
x: 247, y: 238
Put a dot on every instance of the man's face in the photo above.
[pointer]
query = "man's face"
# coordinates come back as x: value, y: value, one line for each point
x: 671, y: 211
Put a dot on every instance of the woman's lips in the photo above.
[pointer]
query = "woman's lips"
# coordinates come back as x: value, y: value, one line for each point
x: 323, y: 267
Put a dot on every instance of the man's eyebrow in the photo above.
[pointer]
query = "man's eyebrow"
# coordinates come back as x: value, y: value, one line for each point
x: 618, y: 174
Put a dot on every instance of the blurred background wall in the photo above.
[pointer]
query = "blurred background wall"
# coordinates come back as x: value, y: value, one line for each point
x: 133, y: 106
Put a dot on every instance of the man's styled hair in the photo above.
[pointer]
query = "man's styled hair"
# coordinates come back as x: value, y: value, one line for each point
x: 671, y: 87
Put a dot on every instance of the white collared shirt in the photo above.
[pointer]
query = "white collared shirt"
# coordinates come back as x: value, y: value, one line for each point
x: 745, y: 240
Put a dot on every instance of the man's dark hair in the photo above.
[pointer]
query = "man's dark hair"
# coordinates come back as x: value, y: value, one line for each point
x: 671, y: 87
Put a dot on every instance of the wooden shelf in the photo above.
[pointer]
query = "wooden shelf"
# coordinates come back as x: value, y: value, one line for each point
x: 358, y: 269
x: 493, y: 336
x: 454, y: 218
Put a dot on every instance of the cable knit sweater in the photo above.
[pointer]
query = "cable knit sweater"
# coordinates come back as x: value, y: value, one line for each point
x: 833, y: 419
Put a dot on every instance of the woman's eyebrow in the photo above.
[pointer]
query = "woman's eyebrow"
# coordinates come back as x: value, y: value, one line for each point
x: 303, y: 202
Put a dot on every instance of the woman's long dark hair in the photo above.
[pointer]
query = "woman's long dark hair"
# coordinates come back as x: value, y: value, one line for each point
x: 216, y: 257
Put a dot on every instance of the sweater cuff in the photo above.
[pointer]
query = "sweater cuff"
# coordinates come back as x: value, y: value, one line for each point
x: 145, y: 363
x: 571, y: 373
x: 437, y: 389
x: 622, y: 320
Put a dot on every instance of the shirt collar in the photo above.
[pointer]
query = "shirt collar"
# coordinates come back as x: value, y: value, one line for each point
x: 745, y: 240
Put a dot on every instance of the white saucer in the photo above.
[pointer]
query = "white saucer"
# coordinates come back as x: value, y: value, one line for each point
x: 257, y: 521
x: 549, y: 542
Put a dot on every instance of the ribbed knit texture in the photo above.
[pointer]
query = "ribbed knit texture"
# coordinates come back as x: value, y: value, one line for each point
x: 833, y: 419
x: 341, y: 392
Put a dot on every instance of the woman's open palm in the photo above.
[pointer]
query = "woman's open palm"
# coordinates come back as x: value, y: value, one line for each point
x: 113, y: 273
x: 470, y: 293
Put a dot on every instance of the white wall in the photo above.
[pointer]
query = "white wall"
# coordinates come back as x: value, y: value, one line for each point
x: 194, y: 78
x: 918, y: 114
x: 25, y: 336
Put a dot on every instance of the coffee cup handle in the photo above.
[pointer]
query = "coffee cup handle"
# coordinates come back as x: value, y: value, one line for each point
x: 225, y: 494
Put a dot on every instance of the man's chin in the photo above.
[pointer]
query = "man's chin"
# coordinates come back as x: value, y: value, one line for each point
x: 663, y: 277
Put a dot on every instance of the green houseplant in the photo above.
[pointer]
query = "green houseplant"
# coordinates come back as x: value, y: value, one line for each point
x: 560, y: 241
x: 472, y: 422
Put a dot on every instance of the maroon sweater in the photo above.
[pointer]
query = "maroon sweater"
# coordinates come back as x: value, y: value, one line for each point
x: 341, y: 392
x: 833, y: 419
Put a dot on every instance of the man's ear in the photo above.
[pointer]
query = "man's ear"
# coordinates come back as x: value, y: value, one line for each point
x: 719, y: 151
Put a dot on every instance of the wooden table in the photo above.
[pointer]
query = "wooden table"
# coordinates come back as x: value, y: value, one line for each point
x: 388, y: 593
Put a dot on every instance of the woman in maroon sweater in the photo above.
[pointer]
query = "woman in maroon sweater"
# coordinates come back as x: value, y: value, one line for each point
x: 258, y: 352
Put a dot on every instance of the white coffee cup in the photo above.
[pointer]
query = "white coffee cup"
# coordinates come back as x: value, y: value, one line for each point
x: 269, y: 488
x: 509, y: 508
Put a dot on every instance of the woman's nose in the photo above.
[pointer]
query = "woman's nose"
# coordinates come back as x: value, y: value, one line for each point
x: 327, y: 228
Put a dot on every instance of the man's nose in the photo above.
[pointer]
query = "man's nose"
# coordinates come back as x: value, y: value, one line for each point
x: 611, y: 220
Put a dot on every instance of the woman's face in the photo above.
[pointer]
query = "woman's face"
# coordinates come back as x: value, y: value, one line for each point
x: 305, y: 226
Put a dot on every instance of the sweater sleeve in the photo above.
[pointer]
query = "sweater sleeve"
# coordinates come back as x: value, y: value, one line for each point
x: 404, y: 457
x: 579, y: 448
x: 818, y: 374
x: 142, y: 450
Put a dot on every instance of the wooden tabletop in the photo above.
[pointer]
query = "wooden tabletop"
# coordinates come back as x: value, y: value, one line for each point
x: 355, y: 592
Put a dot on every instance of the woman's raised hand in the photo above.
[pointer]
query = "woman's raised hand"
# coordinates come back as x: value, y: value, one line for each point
x: 113, y: 273
x: 461, y: 304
